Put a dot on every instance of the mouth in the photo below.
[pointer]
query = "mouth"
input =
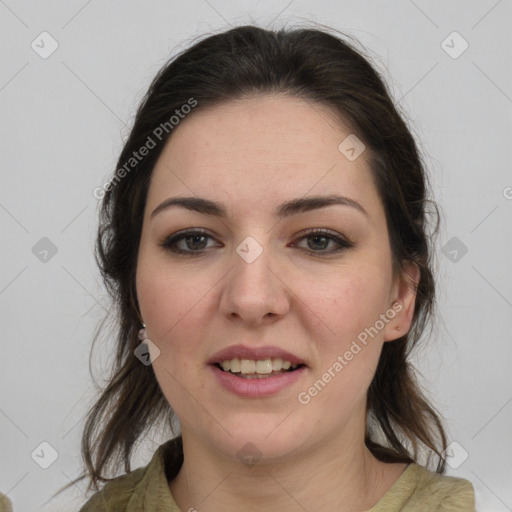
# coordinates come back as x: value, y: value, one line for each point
x: 256, y: 372
x: 256, y: 362
x: 257, y: 368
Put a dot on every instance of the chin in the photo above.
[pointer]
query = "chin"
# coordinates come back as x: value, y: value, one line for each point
x: 258, y: 441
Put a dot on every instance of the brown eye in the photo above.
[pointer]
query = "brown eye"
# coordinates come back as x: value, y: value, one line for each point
x: 195, y: 242
x: 318, y: 241
x: 192, y: 242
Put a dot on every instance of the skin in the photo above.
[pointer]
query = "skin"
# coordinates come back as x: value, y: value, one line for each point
x: 252, y: 155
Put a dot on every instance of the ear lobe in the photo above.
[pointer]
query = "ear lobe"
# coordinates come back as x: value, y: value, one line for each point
x: 404, y: 294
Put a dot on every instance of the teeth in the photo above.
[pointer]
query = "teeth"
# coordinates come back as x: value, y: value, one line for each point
x: 277, y: 364
x: 260, y: 367
x: 263, y: 367
x: 247, y: 366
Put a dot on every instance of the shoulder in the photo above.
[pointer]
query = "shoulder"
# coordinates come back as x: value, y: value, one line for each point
x: 116, y: 494
x: 143, y: 489
x: 5, y: 503
x: 447, y: 493
x: 420, y: 489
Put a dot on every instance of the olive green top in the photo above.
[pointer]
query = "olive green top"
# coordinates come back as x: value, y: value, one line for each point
x: 5, y: 503
x: 146, y: 489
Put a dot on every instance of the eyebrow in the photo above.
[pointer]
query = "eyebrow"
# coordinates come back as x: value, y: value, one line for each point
x: 287, y: 209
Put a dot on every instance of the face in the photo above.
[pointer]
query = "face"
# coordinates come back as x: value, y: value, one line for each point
x: 262, y: 284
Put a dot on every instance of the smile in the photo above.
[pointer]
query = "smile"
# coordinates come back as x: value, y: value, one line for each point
x: 256, y: 368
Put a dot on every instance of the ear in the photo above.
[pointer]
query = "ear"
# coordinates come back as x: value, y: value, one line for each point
x: 403, y: 303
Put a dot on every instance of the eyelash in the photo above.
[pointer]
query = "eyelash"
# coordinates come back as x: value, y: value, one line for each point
x: 169, y: 244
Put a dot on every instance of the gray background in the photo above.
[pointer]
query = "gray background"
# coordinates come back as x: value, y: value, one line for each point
x: 63, y: 121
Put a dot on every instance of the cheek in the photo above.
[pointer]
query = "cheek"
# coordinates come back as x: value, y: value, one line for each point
x: 175, y: 308
x: 348, y: 351
x: 174, y: 312
x: 348, y: 302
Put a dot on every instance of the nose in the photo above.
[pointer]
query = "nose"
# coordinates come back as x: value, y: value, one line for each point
x: 254, y: 293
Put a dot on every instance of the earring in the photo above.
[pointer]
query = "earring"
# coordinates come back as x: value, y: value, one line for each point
x: 142, y: 333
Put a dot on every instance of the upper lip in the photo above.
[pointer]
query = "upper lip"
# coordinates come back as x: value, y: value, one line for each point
x: 254, y: 353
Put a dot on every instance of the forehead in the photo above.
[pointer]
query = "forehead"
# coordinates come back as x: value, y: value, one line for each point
x: 260, y: 150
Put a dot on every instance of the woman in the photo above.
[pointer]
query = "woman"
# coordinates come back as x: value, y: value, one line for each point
x: 264, y: 237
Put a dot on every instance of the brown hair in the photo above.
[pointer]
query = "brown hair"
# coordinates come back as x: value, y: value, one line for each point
x: 321, y: 68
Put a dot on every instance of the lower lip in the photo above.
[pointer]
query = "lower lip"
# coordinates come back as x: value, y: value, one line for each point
x: 257, y: 388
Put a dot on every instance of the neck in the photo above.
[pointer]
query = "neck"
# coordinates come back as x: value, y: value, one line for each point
x: 353, y: 479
